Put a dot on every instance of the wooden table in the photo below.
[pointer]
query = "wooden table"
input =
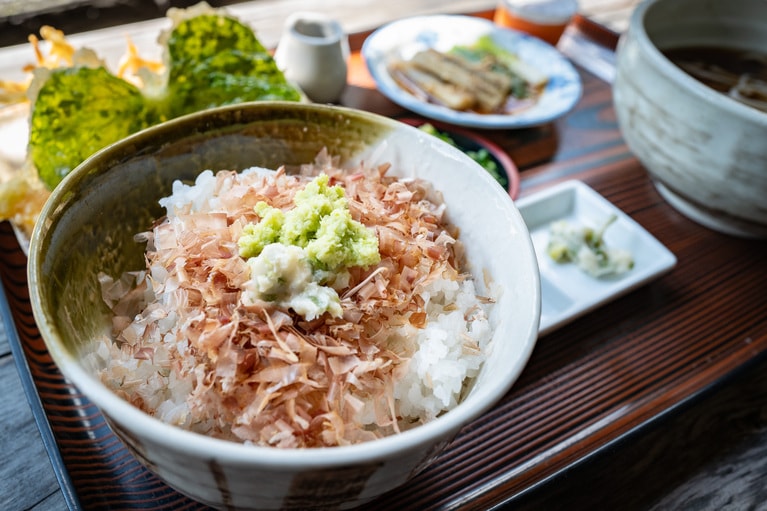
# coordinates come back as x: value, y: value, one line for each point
x: 637, y: 405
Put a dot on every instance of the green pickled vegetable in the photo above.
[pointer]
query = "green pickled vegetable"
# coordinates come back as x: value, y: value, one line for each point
x: 481, y: 156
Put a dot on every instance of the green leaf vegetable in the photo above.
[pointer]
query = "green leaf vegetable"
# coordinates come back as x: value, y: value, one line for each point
x: 212, y: 60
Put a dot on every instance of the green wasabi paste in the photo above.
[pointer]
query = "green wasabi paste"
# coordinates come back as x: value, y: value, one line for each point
x: 320, y: 223
x: 293, y: 253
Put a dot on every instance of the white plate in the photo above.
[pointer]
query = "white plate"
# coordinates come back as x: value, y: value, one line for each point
x: 566, y: 291
x: 402, y: 39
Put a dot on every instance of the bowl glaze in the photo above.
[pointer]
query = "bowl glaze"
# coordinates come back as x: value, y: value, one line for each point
x: 705, y: 151
x: 87, y: 227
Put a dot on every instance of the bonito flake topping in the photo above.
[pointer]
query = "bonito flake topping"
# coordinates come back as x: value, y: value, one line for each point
x: 190, y: 348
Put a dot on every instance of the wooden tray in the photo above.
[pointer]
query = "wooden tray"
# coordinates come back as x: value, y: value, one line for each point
x: 601, y: 378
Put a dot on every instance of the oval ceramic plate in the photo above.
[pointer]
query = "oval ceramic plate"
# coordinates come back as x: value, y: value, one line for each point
x: 402, y: 39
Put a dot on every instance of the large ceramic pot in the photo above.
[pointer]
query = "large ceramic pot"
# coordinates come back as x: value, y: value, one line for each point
x: 705, y: 151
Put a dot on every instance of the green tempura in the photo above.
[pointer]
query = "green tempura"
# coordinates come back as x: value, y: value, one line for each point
x: 212, y: 60
x: 77, y: 112
x: 218, y: 61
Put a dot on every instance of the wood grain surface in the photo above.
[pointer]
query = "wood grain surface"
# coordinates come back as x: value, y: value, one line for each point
x: 654, y: 401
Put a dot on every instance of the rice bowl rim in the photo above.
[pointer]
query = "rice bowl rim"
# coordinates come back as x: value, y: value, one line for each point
x: 153, y: 430
x: 205, y: 447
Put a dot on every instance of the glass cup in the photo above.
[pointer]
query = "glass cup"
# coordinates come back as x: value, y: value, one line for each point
x: 545, y: 19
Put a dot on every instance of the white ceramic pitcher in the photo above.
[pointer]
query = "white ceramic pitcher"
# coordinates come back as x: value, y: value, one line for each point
x: 313, y: 52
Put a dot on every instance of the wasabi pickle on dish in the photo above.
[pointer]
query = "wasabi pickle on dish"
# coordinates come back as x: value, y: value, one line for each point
x: 586, y: 247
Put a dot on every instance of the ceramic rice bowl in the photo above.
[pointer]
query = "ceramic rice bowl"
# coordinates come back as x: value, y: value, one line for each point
x: 88, y: 226
x: 705, y: 151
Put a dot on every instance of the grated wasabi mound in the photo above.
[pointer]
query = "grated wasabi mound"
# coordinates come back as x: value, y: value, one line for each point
x: 292, y: 253
x: 320, y: 223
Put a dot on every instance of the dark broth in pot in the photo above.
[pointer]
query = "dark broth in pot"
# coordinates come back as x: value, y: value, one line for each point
x: 740, y: 74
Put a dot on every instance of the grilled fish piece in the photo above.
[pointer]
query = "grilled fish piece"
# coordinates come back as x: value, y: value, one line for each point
x: 488, y: 87
x: 416, y: 79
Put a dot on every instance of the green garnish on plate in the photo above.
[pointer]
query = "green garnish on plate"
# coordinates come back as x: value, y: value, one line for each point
x: 480, y: 155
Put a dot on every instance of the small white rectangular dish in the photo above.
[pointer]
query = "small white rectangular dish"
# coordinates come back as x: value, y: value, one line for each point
x: 567, y: 291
